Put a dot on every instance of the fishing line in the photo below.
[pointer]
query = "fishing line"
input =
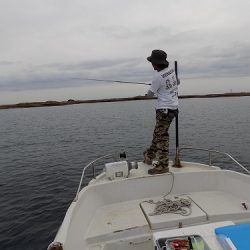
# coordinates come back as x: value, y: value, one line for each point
x: 104, y: 80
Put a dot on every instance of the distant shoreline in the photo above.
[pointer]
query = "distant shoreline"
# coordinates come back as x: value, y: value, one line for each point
x: 135, y: 98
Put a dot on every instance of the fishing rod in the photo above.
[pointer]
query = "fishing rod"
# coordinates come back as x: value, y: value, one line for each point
x: 117, y: 81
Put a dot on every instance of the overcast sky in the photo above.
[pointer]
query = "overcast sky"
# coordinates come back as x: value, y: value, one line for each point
x: 47, y: 45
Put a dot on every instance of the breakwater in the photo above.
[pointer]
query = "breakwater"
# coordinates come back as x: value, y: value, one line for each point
x: 71, y: 101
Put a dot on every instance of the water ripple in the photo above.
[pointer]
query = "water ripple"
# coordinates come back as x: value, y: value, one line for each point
x: 43, y: 152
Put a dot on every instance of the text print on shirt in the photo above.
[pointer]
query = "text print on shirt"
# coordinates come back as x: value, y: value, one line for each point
x: 171, y: 82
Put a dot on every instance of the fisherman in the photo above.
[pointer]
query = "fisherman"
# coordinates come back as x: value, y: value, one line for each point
x: 165, y: 87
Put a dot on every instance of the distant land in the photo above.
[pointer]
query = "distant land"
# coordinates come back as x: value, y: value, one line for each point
x: 71, y: 101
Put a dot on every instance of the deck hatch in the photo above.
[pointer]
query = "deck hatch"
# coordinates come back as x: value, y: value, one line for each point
x: 172, y: 220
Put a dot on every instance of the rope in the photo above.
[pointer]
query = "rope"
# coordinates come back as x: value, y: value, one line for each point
x: 180, y: 206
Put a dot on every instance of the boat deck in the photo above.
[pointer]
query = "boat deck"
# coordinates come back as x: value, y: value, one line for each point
x: 129, y: 218
x: 115, y: 214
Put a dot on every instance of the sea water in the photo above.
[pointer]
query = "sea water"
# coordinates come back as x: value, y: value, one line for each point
x: 43, y: 151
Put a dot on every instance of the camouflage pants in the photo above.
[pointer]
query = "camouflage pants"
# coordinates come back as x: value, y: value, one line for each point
x: 160, y: 142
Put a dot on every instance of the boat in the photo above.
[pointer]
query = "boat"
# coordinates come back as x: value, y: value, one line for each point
x: 196, y: 206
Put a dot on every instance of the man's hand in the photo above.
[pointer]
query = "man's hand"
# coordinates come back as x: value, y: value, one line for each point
x: 150, y: 94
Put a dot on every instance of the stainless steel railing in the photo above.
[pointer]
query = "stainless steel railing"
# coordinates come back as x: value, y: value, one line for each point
x: 118, y: 155
x: 91, y: 164
x: 211, y: 152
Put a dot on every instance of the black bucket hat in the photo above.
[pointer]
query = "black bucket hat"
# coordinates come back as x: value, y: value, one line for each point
x: 158, y: 57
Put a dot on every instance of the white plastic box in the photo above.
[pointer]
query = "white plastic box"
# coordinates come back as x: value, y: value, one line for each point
x: 117, y: 170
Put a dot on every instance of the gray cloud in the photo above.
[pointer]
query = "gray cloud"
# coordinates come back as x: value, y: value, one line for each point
x: 62, y: 75
x: 55, y: 44
x: 212, y: 61
x: 206, y: 63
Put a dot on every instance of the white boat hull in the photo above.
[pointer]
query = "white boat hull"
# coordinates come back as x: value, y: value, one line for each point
x: 114, y: 215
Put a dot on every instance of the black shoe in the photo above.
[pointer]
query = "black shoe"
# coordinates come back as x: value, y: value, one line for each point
x: 158, y: 170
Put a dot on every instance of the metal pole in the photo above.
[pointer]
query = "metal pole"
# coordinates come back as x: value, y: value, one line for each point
x: 210, y: 158
x: 177, y: 163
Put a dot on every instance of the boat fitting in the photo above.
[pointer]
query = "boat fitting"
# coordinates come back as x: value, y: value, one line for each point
x: 55, y: 246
